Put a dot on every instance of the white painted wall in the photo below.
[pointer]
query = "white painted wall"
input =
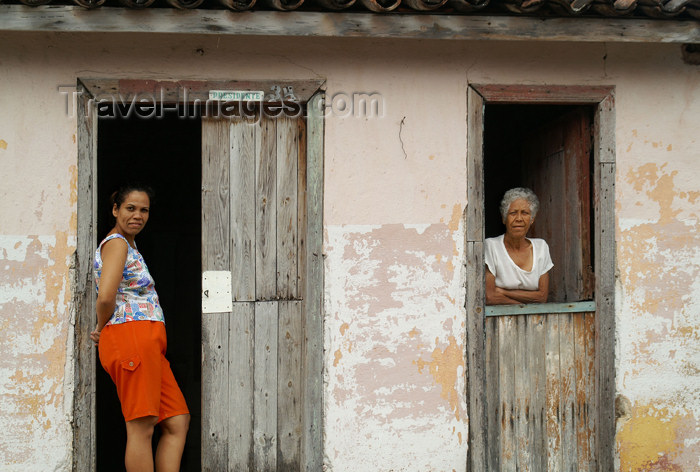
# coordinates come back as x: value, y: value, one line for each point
x: 394, y: 197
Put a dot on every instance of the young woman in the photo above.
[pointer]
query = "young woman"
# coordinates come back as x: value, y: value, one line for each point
x: 130, y: 335
x: 517, y: 267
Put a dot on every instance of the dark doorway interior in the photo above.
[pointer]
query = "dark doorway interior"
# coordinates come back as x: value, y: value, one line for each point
x: 165, y: 153
x: 546, y: 148
x: 506, y: 127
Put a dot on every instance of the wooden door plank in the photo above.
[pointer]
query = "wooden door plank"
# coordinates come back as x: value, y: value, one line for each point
x: 577, y: 200
x: 604, y: 130
x: 492, y: 394
x: 474, y: 237
x: 302, y: 285
x: 215, y: 256
x: 580, y: 368
x: 558, y: 242
x: 583, y: 190
x: 605, y: 283
x: 553, y: 394
x: 475, y: 166
x: 567, y: 390
x: 215, y: 194
x: 215, y: 389
x: 506, y: 387
x: 590, y: 403
x: 289, y: 382
x: 287, y: 174
x: 572, y: 217
x: 265, y: 394
x: 301, y: 209
x: 266, y: 212
x: 536, y: 350
x: 523, y: 393
x: 84, y: 403
x: 242, y: 162
x: 476, y: 356
x: 241, y: 386
x: 312, y: 447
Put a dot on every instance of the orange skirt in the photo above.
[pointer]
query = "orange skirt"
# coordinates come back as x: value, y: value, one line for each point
x: 133, y: 354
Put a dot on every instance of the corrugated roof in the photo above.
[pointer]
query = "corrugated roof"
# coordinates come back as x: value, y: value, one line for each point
x: 659, y: 9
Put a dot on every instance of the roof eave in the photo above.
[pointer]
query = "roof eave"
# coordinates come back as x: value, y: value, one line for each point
x: 344, y: 25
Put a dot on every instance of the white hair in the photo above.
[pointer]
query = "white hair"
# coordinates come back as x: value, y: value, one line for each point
x: 515, y: 194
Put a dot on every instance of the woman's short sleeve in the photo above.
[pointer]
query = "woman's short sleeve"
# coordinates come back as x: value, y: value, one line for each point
x: 490, y: 256
x: 545, y: 260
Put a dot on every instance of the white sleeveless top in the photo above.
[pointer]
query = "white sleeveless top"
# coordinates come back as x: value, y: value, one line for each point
x: 508, y: 275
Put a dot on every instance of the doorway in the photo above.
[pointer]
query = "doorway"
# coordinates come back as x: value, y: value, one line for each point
x: 541, y: 376
x: 190, y: 166
x: 540, y: 373
x: 164, y: 153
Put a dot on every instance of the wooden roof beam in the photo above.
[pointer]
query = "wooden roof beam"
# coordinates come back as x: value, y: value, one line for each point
x: 345, y: 25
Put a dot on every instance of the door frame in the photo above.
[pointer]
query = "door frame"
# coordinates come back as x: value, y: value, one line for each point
x: 89, y: 94
x: 603, y: 98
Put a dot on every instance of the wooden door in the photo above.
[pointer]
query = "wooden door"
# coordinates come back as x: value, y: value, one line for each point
x: 540, y: 383
x: 261, y: 361
x: 556, y: 164
x: 540, y: 359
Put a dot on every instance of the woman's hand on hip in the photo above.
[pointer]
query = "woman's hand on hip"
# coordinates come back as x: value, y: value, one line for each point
x: 95, y: 336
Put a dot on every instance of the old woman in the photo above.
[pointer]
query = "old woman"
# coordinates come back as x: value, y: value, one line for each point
x: 517, y: 267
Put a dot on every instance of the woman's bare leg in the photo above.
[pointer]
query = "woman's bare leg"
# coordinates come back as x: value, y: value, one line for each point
x: 139, y: 452
x: 171, y: 443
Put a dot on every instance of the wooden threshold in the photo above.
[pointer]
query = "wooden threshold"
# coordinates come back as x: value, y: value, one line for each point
x: 73, y: 19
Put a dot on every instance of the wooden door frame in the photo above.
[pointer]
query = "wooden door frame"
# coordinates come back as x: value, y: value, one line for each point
x: 603, y: 98
x: 89, y: 94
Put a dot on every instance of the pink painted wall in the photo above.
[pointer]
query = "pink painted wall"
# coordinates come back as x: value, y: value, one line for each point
x: 658, y: 296
x: 394, y: 199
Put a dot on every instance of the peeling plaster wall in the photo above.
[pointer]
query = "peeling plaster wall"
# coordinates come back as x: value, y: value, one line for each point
x: 395, y: 193
x: 658, y: 290
x: 37, y: 239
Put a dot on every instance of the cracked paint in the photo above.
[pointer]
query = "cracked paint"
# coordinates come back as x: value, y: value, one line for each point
x: 659, y: 263
x: 653, y: 441
x: 444, y: 366
x: 37, y: 243
x: 34, y: 324
x: 395, y: 313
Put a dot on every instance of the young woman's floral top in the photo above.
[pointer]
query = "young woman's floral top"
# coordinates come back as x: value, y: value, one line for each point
x: 136, y: 296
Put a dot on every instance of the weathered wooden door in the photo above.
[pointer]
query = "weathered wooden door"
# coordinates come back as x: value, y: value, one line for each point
x: 540, y: 384
x: 540, y: 359
x: 261, y: 353
x: 556, y: 163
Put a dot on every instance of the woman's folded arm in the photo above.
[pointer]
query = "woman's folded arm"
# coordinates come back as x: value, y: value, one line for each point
x: 501, y: 296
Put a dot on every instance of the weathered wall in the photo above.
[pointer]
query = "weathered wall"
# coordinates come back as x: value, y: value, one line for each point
x: 37, y: 238
x: 658, y: 303
x: 394, y: 199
